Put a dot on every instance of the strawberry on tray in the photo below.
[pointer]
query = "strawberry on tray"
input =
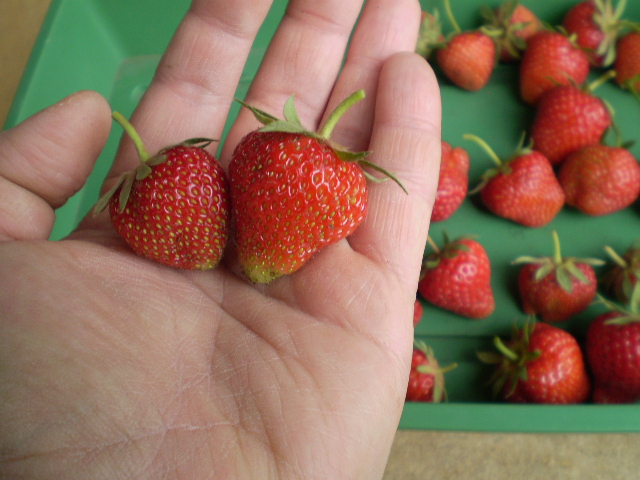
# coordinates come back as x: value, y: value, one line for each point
x: 500, y: 113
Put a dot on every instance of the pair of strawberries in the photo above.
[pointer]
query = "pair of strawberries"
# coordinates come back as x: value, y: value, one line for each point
x: 457, y: 278
x: 289, y: 192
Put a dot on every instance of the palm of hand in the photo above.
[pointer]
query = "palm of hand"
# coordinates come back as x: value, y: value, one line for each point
x: 193, y: 362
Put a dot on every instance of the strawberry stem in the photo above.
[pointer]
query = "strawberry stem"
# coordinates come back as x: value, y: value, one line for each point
x: 618, y: 260
x: 504, y: 350
x: 557, y: 254
x: 602, y: 79
x: 433, y: 244
x: 452, y: 19
x: 339, y: 111
x: 485, y: 147
x: 133, y: 135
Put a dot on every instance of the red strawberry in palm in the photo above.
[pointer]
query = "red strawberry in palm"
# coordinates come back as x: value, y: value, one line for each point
x: 467, y: 58
x: 600, y: 179
x: 540, y: 364
x: 622, y: 277
x: 174, y: 207
x: 556, y: 288
x: 512, y: 24
x: 551, y: 59
x: 568, y: 118
x: 612, y: 349
x: 627, y: 63
x: 453, y: 182
x: 457, y: 278
x: 522, y: 188
x: 597, y: 25
x: 294, y: 192
x: 426, y: 378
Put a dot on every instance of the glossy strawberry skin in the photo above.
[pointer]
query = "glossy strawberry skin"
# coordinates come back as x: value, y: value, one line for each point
x: 546, y: 299
x: 525, y: 191
x: 422, y: 385
x: 550, y: 60
x: 568, y: 118
x: 461, y: 281
x: 291, y: 196
x: 558, y: 375
x: 579, y: 20
x: 453, y: 182
x: 613, y: 354
x: 600, y: 179
x: 627, y: 64
x: 468, y: 60
x: 178, y: 215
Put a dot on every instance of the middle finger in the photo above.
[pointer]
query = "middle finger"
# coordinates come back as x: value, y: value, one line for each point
x: 304, y: 58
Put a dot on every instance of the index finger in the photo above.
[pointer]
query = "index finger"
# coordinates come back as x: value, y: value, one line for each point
x: 196, y: 79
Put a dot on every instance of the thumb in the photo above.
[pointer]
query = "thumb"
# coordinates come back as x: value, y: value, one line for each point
x: 46, y: 159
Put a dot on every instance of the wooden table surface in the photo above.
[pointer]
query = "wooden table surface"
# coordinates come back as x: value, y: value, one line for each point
x: 423, y: 455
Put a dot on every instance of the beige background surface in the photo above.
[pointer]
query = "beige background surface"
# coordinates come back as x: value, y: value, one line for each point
x: 416, y: 455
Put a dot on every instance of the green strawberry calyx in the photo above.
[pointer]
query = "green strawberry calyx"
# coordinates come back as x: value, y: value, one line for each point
x: 609, y: 20
x: 432, y: 368
x: 493, y: 33
x: 502, y: 167
x: 145, y: 167
x: 623, y: 315
x: 511, y: 360
x: 564, y: 268
x: 498, y: 25
x: 627, y: 266
x: 430, y: 35
x: 450, y: 249
x: 292, y: 124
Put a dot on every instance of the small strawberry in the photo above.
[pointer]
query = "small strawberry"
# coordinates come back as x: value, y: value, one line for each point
x: 426, y: 378
x: 568, y: 118
x: 612, y: 348
x: 551, y: 59
x: 627, y: 64
x: 453, y: 182
x: 418, y: 310
x: 556, y: 288
x: 514, y: 24
x: 597, y: 26
x: 430, y: 34
x: 539, y: 364
x: 523, y: 188
x: 457, y: 278
x: 600, y: 179
x: 174, y: 207
x: 294, y: 192
x: 622, y: 277
x: 467, y: 58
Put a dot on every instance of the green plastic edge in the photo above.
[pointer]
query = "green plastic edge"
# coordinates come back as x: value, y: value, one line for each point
x: 510, y: 418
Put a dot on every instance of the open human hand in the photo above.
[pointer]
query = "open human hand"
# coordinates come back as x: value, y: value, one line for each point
x: 112, y: 366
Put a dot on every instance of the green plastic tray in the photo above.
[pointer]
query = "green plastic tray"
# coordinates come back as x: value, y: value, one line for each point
x: 113, y: 47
